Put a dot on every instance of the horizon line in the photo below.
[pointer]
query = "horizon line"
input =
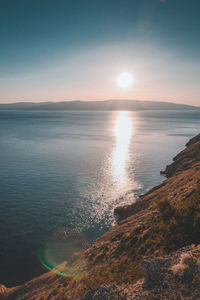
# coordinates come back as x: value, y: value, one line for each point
x: 105, y: 100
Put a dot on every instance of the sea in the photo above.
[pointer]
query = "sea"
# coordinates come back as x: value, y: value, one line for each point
x: 63, y: 173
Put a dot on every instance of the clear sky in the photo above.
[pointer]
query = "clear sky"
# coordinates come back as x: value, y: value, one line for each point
x: 55, y: 50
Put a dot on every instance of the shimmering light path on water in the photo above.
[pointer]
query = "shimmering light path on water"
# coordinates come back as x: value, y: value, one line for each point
x: 63, y: 171
x: 123, y: 130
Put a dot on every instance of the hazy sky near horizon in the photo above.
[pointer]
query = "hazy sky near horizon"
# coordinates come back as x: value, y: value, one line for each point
x: 55, y: 50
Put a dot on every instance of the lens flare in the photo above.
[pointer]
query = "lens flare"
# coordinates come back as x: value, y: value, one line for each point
x: 63, y: 253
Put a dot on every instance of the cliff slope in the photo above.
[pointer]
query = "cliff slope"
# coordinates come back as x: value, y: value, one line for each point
x: 155, y: 238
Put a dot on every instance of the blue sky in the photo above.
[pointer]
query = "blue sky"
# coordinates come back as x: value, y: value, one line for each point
x: 53, y: 50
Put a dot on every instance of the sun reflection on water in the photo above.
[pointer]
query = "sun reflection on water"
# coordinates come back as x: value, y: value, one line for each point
x: 123, y: 130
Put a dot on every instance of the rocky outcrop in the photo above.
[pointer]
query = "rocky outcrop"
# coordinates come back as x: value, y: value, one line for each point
x: 193, y: 140
x: 123, y: 212
x: 45, y: 287
x: 3, y: 290
x: 185, y: 159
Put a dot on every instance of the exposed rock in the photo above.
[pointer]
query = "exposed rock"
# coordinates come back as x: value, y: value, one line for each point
x: 103, y: 292
x: 123, y: 212
x: 45, y: 287
x: 151, y: 272
x: 185, y: 159
x: 3, y: 289
x: 193, y: 140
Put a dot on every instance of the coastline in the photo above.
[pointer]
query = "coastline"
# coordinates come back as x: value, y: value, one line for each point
x: 129, y: 251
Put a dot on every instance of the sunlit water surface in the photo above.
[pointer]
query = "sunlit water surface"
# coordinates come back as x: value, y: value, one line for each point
x: 65, y: 172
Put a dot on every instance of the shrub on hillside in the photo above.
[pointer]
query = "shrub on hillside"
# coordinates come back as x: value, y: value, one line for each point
x: 179, y: 224
x: 186, y: 268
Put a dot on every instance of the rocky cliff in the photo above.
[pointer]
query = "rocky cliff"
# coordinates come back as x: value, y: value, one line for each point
x: 152, y: 252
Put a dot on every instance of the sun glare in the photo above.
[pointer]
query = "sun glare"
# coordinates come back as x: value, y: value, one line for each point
x: 124, y: 80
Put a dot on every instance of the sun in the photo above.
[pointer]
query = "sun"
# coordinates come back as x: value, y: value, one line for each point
x: 124, y: 80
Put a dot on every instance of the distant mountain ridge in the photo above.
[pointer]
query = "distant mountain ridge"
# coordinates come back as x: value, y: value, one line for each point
x: 105, y: 105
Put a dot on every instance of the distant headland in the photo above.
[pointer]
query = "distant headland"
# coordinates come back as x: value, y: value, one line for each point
x: 105, y: 105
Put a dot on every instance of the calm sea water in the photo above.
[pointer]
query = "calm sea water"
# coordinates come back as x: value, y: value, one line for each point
x: 68, y: 170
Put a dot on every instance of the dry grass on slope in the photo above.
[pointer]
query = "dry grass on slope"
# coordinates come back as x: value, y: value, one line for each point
x: 171, y: 221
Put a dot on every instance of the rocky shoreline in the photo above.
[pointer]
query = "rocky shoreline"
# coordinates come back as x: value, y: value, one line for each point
x: 153, y: 252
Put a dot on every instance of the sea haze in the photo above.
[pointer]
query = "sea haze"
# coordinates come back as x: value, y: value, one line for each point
x: 69, y: 170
